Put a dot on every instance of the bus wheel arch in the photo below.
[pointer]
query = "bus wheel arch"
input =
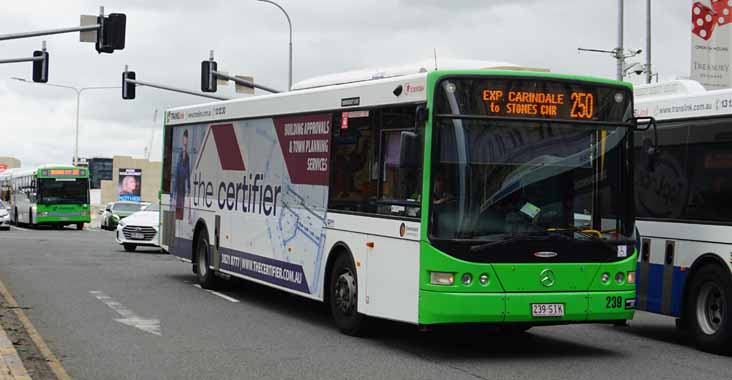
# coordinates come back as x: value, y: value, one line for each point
x: 201, y: 266
x: 708, y: 258
x: 708, y: 274
x: 341, y: 295
x: 200, y: 226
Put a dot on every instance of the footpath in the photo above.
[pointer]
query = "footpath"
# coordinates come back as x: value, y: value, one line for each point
x: 11, y: 367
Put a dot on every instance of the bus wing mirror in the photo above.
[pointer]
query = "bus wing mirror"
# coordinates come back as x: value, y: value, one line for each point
x: 643, y: 124
x: 409, y: 150
x: 420, y: 116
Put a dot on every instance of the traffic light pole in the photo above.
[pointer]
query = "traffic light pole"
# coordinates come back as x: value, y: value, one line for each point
x: 174, y: 89
x: 85, y: 28
x: 14, y: 60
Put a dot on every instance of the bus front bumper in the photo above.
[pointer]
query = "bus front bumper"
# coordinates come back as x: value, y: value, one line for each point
x: 579, y: 307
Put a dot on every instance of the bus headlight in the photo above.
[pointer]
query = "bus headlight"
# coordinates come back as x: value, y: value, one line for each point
x: 466, y: 278
x: 44, y: 213
x: 442, y: 278
x: 605, y: 277
x: 619, y: 277
x: 631, y: 277
x: 483, y: 279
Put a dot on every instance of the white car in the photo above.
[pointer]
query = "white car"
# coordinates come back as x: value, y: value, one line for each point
x: 4, y: 217
x: 139, y: 229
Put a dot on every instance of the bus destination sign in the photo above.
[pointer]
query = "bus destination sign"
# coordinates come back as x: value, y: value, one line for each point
x: 540, y: 98
x: 572, y: 105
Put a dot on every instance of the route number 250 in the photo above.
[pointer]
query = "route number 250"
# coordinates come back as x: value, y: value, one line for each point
x: 583, y: 105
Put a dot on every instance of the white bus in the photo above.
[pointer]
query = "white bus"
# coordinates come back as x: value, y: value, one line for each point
x: 684, y: 209
x: 486, y: 194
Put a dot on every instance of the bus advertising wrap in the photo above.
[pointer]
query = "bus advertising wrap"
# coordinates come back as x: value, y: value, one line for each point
x: 129, y: 185
x: 267, y: 181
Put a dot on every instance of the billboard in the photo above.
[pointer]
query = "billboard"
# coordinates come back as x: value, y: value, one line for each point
x: 130, y: 185
x: 710, y: 43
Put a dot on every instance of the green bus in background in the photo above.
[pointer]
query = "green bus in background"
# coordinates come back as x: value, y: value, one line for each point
x: 52, y: 195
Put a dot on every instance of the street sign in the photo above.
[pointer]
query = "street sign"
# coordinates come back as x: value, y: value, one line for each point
x: 89, y: 35
x: 240, y: 89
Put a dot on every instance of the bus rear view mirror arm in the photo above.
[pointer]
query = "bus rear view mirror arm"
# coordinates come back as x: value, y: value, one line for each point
x: 652, y: 150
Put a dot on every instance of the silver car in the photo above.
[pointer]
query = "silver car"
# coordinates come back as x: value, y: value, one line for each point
x: 4, y: 216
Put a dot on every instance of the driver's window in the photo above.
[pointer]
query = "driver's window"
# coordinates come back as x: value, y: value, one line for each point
x: 400, y: 183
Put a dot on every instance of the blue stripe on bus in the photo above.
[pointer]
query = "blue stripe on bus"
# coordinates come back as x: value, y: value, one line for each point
x: 183, y: 248
x: 654, y: 284
x: 655, y: 288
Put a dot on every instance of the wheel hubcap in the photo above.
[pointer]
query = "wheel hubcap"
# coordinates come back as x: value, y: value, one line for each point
x: 710, y: 308
x: 345, y: 292
x: 202, y: 252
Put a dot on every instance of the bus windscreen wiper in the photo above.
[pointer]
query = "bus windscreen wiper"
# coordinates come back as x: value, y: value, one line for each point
x: 593, y: 234
x: 514, y: 238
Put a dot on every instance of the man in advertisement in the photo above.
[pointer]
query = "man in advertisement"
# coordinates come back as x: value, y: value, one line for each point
x: 182, y: 180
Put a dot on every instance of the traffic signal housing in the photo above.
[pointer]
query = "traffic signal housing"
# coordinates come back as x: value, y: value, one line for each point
x: 111, y: 34
x: 128, y: 89
x: 40, y: 67
x: 208, y: 79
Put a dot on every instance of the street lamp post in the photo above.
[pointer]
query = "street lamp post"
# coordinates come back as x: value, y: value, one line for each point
x: 289, y: 23
x: 78, y: 92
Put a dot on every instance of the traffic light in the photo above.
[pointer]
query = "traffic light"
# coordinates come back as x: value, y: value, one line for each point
x: 40, y: 67
x: 128, y: 89
x: 111, y: 34
x: 208, y: 79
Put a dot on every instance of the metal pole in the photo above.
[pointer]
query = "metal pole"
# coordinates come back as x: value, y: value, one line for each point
x: 76, y: 134
x: 14, y: 60
x: 13, y: 36
x: 619, y: 54
x: 243, y: 82
x: 174, y: 89
x: 649, y: 71
x: 289, y: 23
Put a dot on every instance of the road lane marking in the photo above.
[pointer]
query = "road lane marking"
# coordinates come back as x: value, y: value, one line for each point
x: 19, y: 228
x: 224, y: 296
x: 46, y: 352
x: 129, y: 317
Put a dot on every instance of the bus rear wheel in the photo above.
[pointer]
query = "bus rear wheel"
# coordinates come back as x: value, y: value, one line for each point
x: 206, y: 277
x: 79, y: 226
x: 709, y: 309
x: 343, y: 297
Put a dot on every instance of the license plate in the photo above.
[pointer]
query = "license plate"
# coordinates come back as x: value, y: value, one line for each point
x: 138, y: 235
x: 547, y: 309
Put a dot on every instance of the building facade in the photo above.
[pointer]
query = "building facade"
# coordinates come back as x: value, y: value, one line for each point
x: 8, y: 163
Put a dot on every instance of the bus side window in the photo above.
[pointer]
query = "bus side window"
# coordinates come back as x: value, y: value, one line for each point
x: 400, y: 184
x: 352, y: 177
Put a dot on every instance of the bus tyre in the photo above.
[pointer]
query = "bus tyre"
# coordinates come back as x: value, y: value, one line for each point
x: 343, y: 297
x: 129, y: 247
x: 206, y: 276
x: 708, y: 309
x: 79, y: 226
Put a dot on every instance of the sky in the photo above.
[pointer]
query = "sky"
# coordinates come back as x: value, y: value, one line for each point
x: 167, y: 40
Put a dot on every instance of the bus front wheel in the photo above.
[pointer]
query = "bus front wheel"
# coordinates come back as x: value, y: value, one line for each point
x: 343, y: 297
x: 708, y: 309
x: 206, y: 276
x: 79, y: 226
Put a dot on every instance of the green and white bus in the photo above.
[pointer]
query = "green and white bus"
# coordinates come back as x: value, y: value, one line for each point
x: 55, y: 195
x: 494, y: 195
